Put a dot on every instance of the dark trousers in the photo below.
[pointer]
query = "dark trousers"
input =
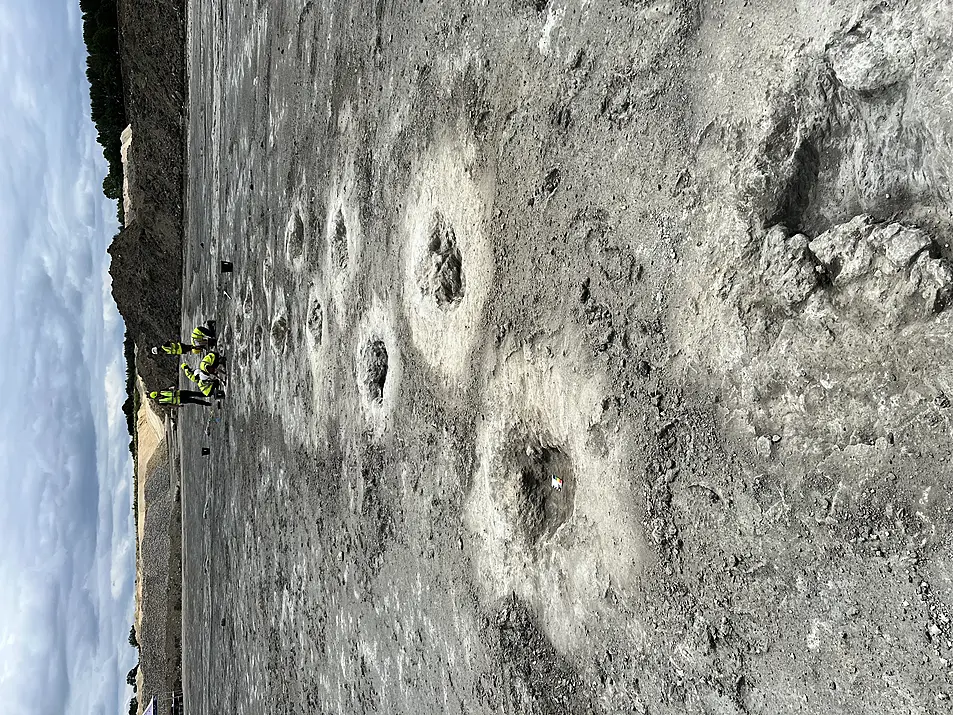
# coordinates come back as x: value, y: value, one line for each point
x: 193, y: 397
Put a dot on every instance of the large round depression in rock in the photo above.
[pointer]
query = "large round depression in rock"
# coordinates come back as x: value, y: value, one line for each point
x: 524, y: 485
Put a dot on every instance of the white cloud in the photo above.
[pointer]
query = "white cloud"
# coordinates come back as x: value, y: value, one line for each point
x: 66, y: 538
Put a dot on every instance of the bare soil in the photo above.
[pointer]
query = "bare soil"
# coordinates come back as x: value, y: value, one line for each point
x: 692, y: 258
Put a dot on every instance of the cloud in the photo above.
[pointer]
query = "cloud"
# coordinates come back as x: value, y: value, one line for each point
x: 66, y: 536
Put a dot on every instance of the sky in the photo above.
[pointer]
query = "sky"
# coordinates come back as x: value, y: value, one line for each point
x: 67, y: 545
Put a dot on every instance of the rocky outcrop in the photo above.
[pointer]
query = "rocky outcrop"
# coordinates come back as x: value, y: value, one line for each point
x: 886, y: 270
x: 147, y: 254
x: 787, y: 269
x: 876, y: 52
x: 889, y: 269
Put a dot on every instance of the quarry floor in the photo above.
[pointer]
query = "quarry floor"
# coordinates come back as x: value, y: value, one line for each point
x: 689, y: 258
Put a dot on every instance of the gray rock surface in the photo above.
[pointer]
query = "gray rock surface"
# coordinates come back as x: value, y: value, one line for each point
x: 889, y: 268
x: 756, y: 512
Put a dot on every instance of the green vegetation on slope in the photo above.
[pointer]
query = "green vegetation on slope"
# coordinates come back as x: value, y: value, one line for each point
x: 130, y: 407
x: 101, y: 34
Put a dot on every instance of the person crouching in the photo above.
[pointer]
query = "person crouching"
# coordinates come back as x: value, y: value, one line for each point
x: 209, y: 386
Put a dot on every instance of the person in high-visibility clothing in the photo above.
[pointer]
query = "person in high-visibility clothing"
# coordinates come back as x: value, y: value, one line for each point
x: 204, y: 335
x: 174, y: 397
x: 213, y: 365
x: 172, y: 347
x: 208, y: 387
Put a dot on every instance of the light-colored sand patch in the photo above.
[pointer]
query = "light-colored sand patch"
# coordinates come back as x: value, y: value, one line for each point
x: 343, y: 229
x: 554, y: 16
x: 150, y: 439
x: 296, y: 232
x: 447, y: 261
x: 150, y: 446
x: 558, y: 550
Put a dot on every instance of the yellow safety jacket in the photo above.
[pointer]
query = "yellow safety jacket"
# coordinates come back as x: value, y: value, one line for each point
x: 170, y: 397
x: 207, y: 387
x: 209, y: 363
x: 201, y: 335
x: 174, y: 348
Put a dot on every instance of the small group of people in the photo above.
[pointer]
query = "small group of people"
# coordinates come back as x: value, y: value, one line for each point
x: 210, y: 376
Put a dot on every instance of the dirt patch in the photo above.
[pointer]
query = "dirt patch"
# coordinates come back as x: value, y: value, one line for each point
x: 702, y: 280
x: 316, y: 319
x: 374, y: 365
x: 441, y: 271
x: 337, y: 240
x: 295, y: 236
x: 279, y: 333
x: 538, y: 679
x: 258, y: 340
x: 536, y: 487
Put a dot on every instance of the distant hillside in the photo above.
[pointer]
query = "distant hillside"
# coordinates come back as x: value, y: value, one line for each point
x: 146, y: 265
x: 104, y: 72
